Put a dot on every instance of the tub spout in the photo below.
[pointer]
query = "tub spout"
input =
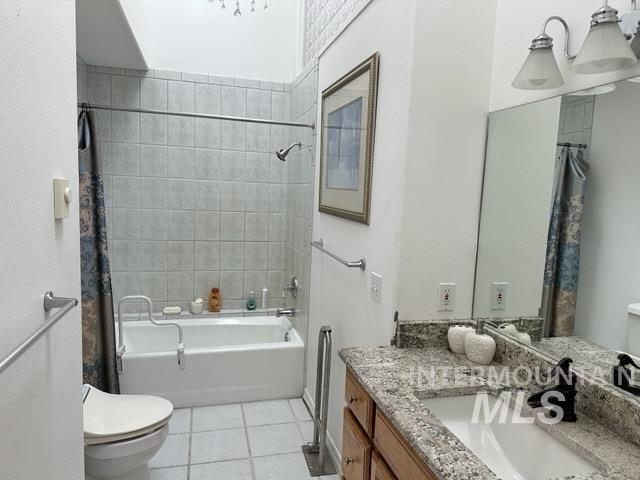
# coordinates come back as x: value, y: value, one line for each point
x: 286, y: 312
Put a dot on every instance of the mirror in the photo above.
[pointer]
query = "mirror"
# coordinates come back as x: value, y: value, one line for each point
x: 559, y: 240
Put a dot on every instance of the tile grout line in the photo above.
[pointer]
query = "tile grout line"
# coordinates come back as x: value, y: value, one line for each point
x: 246, y: 434
x: 190, y: 441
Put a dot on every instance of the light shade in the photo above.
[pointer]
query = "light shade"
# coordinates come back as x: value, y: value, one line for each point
x: 540, y: 71
x: 605, y: 49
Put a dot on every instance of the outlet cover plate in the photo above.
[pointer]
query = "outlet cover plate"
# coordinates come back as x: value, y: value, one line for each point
x: 446, y: 297
x: 499, y: 292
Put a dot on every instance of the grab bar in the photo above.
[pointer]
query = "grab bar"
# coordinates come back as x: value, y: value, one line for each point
x: 315, y: 452
x: 50, y: 302
x: 361, y: 264
x: 121, y: 348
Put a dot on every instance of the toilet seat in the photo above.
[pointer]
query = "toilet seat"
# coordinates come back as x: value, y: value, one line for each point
x: 111, y: 418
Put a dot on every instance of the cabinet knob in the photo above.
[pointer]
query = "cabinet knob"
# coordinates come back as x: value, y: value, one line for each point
x: 351, y: 399
x: 348, y: 461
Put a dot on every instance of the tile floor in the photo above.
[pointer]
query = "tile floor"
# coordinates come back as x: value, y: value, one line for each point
x: 248, y: 441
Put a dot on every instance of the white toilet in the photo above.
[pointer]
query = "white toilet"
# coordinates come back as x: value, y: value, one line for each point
x: 633, y: 329
x: 122, y: 433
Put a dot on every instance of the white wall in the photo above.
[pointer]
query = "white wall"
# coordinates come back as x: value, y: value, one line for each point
x: 610, y: 258
x: 516, y: 207
x: 197, y: 36
x: 429, y: 150
x: 340, y: 296
x: 40, y: 395
x: 445, y: 156
x: 517, y: 23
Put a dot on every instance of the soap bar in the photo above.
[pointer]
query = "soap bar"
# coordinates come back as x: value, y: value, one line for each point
x: 171, y: 310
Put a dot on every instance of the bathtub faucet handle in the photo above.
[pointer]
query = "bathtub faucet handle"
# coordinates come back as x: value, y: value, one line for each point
x: 181, y: 357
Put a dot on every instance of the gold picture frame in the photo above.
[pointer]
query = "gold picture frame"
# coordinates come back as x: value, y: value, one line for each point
x: 347, y: 139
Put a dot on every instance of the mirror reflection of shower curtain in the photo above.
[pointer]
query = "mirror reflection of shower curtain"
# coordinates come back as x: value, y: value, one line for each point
x: 562, y: 266
x: 98, y: 325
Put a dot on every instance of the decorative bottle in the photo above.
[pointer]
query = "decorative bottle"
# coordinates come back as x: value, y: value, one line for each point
x: 251, y: 301
x: 479, y: 347
x: 215, y: 300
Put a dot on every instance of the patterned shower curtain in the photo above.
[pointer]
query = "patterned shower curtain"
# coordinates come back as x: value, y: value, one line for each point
x: 562, y: 268
x: 98, y: 325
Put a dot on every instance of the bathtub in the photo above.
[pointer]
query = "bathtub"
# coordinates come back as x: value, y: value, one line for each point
x: 227, y: 360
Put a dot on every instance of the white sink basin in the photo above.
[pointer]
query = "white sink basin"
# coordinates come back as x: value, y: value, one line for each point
x: 513, y: 451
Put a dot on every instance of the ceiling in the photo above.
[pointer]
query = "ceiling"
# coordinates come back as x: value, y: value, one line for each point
x: 104, y: 36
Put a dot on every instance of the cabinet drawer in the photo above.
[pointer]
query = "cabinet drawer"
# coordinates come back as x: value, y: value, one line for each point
x: 356, y: 449
x: 379, y: 469
x: 400, y: 457
x: 359, y: 402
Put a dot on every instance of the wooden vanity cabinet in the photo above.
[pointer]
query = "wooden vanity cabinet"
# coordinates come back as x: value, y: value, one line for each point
x: 372, y: 448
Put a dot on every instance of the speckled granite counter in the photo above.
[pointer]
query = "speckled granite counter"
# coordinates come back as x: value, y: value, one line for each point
x: 397, y: 380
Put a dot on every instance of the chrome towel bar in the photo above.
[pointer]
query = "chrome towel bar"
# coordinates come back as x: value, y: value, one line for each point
x: 361, y: 264
x: 50, y: 302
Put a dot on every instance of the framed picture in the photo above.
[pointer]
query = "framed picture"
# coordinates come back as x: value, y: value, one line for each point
x: 347, y: 137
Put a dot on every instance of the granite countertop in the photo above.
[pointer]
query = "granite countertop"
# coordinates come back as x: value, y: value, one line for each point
x: 397, y: 380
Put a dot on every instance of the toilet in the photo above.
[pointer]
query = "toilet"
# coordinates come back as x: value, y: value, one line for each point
x: 633, y: 329
x: 122, y: 433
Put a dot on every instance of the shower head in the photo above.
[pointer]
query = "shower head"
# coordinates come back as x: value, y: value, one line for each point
x: 283, y: 152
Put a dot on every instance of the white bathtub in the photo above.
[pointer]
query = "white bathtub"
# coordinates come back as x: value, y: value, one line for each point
x: 227, y: 360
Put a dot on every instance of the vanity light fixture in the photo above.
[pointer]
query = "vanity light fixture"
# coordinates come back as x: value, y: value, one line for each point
x: 605, y: 49
x: 540, y: 70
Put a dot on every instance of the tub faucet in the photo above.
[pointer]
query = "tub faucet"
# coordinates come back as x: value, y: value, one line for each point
x: 562, y: 395
x: 286, y: 312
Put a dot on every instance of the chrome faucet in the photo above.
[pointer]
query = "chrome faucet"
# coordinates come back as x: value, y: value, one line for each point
x: 286, y: 312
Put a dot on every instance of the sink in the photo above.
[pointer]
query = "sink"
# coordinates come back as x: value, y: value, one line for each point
x: 513, y: 451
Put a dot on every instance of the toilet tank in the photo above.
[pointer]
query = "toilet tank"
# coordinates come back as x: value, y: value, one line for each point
x: 633, y: 329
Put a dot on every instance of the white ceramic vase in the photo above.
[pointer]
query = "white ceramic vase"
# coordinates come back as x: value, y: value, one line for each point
x: 480, y: 348
x: 456, y: 335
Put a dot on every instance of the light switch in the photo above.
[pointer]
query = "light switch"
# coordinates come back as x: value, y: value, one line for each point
x: 61, y: 198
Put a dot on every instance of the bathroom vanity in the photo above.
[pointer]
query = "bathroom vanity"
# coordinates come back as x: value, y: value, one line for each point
x: 405, y: 407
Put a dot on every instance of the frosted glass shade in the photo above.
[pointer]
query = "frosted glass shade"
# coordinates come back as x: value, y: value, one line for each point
x: 605, y: 49
x: 539, y: 72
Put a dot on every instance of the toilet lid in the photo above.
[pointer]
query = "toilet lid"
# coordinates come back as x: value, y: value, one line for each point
x: 108, y: 416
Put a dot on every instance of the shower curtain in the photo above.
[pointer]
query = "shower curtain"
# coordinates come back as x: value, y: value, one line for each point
x: 98, y: 325
x: 562, y: 268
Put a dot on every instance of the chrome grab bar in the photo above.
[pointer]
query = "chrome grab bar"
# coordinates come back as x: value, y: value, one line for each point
x: 50, y: 302
x: 121, y: 348
x: 361, y: 264
x: 315, y: 452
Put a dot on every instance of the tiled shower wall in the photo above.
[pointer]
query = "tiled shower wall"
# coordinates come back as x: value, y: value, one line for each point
x: 323, y: 20
x: 300, y: 191
x: 195, y: 203
x: 576, y: 120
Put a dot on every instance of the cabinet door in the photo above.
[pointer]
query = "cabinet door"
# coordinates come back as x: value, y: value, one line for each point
x: 356, y: 449
x: 359, y: 402
x: 379, y: 469
x: 397, y: 453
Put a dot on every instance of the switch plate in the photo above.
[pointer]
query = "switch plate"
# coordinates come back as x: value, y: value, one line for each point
x: 376, y: 287
x: 499, y: 292
x: 446, y: 297
x: 61, y: 198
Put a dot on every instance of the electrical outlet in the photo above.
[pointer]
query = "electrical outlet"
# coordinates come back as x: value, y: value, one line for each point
x: 446, y: 297
x: 499, y: 295
x: 376, y: 287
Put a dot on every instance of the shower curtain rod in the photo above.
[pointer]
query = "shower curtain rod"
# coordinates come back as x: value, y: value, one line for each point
x: 571, y: 145
x: 198, y: 115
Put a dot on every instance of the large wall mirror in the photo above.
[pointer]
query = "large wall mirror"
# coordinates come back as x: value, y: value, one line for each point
x: 559, y: 241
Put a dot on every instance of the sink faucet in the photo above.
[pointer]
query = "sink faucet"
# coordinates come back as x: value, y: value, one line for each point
x: 285, y: 312
x: 621, y: 374
x: 562, y: 395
